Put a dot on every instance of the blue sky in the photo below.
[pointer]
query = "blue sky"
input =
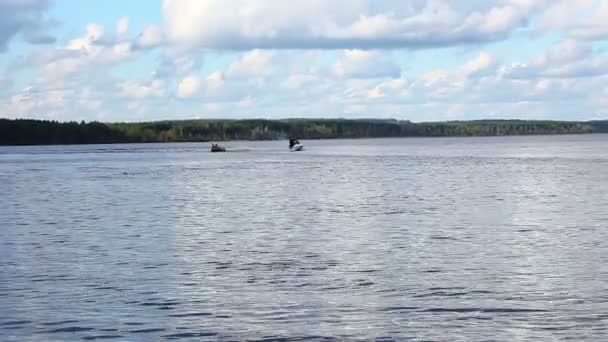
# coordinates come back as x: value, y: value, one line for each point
x: 420, y: 60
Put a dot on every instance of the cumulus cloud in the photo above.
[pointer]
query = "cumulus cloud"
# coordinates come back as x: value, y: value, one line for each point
x: 339, y: 24
x: 40, y: 102
x: 152, y: 36
x: 365, y: 64
x: 79, y: 56
x: 480, y: 65
x: 95, y: 45
x: 217, y: 88
x: 122, y: 26
x: 256, y: 63
x: 440, y: 82
x: 188, y: 86
x: 26, y: 18
x: 594, y: 27
x: 299, y: 81
x: 142, y: 90
x: 567, y: 59
x: 579, y: 19
x: 176, y: 66
x: 394, y: 88
x: 282, y: 66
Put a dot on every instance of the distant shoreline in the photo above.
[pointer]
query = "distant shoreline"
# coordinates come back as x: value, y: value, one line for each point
x: 41, y: 132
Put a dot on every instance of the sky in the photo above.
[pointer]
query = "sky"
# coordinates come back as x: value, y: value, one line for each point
x: 418, y: 60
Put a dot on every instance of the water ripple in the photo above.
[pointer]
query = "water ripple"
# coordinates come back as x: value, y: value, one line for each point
x: 377, y: 240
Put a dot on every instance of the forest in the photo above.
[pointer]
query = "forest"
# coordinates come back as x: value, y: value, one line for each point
x: 43, y: 132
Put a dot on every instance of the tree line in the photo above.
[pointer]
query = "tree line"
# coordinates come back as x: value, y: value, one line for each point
x: 43, y: 132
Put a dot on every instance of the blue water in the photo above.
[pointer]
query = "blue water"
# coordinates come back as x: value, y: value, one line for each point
x: 447, y: 239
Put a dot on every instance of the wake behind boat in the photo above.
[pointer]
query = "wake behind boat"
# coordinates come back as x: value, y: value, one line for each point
x: 295, y: 145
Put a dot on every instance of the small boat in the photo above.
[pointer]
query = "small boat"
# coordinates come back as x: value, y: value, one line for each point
x: 217, y: 148
x: 295, y: 146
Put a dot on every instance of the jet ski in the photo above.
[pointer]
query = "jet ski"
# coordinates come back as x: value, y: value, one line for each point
x: 295, y: 145
x: 217, y: 148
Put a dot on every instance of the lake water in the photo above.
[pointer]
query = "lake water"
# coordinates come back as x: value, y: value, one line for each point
x: 447, y: 239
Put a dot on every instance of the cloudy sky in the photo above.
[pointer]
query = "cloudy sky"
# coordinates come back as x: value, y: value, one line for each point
x: 422, y: 60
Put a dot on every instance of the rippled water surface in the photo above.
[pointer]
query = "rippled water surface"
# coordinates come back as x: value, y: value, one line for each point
x: 466, y: 239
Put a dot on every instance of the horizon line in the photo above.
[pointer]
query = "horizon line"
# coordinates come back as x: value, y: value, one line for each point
x: 306, y: 119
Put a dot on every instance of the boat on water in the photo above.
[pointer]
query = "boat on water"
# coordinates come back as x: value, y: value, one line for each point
x: 295, y: 145
x: 217, y: 148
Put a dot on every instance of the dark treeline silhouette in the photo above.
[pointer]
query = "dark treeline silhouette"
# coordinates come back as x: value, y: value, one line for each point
x: 38, y: 132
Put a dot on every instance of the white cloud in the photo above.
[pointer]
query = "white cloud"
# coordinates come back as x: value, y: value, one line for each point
x: 256, y: 63
x: 79, y: 57
x: 136, y: 107
x: 247, y: 102
x: 594, y: 27
x: 365, y: 64
x: 219, y: 89
x: 90, y: 99
x: 579, y: 19
x: 396, y: 89
x: 482, y: 63
x: 86, y: 43
x: 298, y: 81
x: 92, y: 46
x: 177, y: 66
x: 135, y: 90
x: 215, y: 76
x: 26, y: 18
x: 567, y: 59
x: 188, y: 86
x: 122, y: 26
x: 152, y: 36
x: 338, y: 24
x: 39, y: 102
x: 375, y: 93
x: 259, y: 66
x: 59, y: 66
x: 283, y: 68
x: 441, y: 82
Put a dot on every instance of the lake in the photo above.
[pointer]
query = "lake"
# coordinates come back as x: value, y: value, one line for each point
x: 423, y: 239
